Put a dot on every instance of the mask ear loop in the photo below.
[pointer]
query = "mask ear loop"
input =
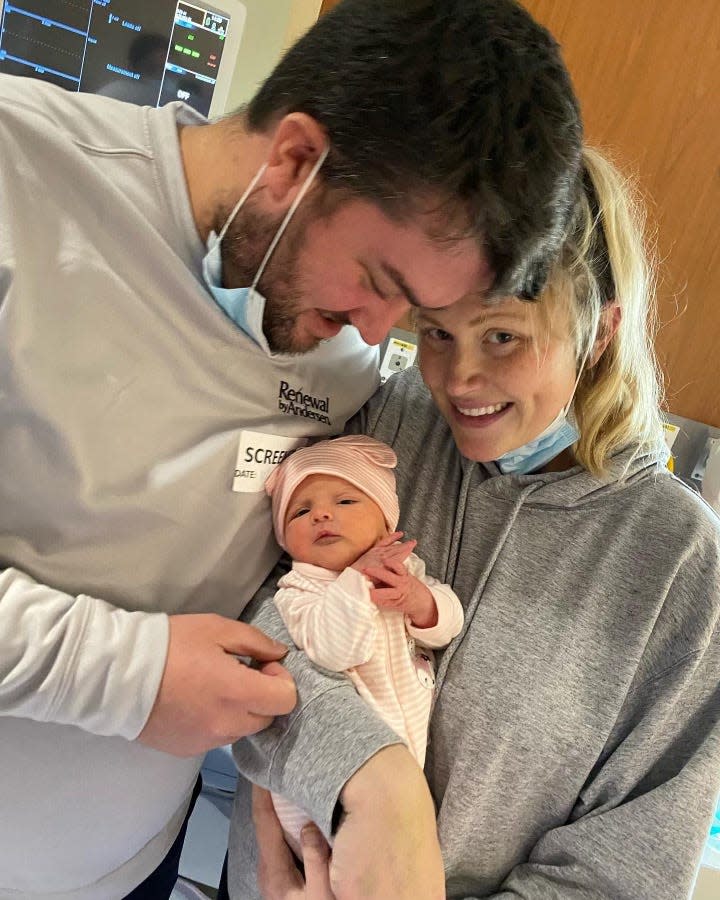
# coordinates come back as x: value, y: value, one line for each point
x: 586, y: 356
x: 289, y: 214
x: 236, y: 208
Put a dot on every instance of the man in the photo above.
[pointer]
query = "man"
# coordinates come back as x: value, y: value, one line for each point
x: 173, y: 303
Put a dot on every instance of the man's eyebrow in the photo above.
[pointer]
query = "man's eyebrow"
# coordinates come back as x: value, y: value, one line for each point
x: 400, y: 282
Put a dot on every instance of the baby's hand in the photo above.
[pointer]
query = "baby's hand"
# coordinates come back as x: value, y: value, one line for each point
x: 393, y: 586
x: 387, y: 550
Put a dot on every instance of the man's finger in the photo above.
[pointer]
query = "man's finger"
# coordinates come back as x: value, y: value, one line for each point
x: 246, y: 640
x: 276, y: 670
x: 395, y: 570
x: 266, y: 695
x: 316, y: 860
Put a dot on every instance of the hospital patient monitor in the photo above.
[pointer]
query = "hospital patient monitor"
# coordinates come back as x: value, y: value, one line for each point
x: 146, y: 51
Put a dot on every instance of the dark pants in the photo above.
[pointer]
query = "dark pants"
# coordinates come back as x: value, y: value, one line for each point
x: 159, y: 885
x: 223, y: 888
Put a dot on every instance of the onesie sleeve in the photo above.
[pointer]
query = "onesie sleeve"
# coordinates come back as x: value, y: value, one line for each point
x: 449, y: 609
x: 334, y: 622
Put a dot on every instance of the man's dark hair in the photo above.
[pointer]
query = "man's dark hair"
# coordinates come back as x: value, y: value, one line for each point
x: 463, y: 100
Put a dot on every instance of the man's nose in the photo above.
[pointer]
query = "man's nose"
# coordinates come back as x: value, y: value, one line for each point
x: 374, y: 321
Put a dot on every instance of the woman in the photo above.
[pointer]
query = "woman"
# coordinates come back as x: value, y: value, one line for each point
x: 575, y: 739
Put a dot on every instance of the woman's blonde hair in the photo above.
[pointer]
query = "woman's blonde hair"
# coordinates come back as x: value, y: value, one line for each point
x: 605, y: 259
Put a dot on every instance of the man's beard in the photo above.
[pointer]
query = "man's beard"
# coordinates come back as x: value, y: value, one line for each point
x: 243, y: 249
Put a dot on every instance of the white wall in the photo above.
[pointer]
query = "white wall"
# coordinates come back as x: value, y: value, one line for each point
x: 708, y: 885
x: 270, y: 27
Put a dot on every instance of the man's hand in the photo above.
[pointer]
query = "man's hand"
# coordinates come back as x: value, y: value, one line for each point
x: 278, y: 876
x: 387, y: 843
x: 207, y: 698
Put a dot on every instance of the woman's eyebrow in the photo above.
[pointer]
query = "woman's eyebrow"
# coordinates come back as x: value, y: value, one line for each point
x: 485, y: 314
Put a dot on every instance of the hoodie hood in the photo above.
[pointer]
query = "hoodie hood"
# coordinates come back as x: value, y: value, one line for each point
x: 576, y: 486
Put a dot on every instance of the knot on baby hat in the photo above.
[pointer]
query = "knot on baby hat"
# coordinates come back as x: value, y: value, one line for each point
x: 364, y: 462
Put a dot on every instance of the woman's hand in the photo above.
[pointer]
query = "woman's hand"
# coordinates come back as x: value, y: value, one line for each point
x: 387, y: 845
x: 278, y: 876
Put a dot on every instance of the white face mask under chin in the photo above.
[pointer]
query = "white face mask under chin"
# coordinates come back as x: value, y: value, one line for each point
x: 246, y: 305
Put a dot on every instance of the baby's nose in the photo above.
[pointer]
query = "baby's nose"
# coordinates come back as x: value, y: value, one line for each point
x: 321, y: 515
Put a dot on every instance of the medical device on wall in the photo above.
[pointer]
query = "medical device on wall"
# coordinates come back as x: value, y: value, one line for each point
x: 398, y: 352
x: 148, y: 52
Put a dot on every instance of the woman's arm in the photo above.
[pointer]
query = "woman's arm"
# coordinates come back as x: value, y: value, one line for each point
x: 336, y: 759
x: 309, y: 755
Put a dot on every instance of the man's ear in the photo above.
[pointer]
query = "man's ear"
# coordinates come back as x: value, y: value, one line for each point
x: 296, y: 144
x: 610, y: 317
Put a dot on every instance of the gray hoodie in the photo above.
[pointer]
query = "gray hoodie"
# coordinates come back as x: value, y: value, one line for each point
x: 575, y: 740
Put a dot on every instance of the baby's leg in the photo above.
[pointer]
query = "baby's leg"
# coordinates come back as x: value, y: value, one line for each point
x: 293, y: 820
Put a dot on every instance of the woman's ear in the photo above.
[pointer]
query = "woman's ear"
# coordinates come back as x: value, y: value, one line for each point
x: 296, y: 144
x: 609, y: 323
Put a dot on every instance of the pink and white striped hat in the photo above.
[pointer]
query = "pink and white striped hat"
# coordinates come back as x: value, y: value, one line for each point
x: 363, y: 461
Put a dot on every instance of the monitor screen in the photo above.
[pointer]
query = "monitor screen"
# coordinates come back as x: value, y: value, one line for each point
x: 145, y: 51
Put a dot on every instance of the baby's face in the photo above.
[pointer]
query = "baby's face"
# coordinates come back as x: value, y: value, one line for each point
x: 330, y: 523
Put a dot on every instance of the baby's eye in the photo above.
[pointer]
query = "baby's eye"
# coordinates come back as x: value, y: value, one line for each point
x: 347, y: 500
x: 302, y: 511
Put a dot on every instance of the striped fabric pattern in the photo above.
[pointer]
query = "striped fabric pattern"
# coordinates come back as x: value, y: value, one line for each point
x: 333, y: 619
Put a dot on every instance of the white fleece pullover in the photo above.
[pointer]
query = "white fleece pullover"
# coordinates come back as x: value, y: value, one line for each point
x: 126, y: 398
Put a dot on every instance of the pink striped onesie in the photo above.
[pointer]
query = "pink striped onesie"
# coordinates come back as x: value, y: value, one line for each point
x: 332, y: 618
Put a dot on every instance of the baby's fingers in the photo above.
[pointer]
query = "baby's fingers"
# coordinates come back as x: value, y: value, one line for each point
x: 397, y: 566
x: 381, y: 575
x: 389, y: 596
x: 398, y: 551
x: 390, y: 539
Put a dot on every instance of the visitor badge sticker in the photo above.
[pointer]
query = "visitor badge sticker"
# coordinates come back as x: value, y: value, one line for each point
x: 258, y: 454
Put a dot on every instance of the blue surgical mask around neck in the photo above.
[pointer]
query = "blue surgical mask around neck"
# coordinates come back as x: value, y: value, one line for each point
x: 560, y: 434
x: 246, y: 305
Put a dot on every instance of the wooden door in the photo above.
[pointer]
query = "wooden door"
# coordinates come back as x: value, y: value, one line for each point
x: 647, y: 73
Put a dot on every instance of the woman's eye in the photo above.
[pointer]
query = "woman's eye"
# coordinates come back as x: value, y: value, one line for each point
x: 435, y: 334
x: 500, y: 337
